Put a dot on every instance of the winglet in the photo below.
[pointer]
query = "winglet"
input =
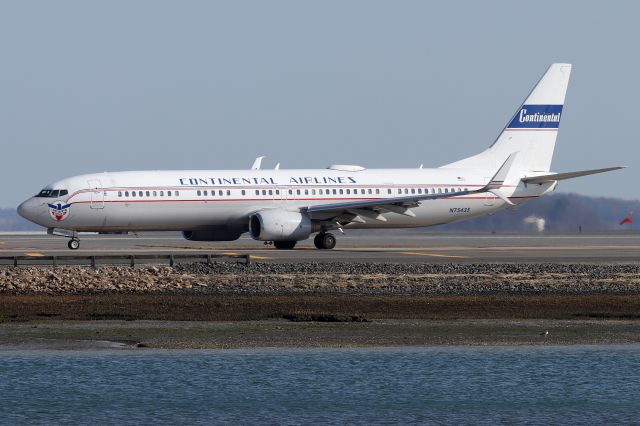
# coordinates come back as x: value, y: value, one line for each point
x: 498, y: 179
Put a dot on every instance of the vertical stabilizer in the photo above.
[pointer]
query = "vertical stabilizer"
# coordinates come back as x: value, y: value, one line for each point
x: 532, y: 130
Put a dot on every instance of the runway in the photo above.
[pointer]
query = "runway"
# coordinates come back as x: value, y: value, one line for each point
x: 357, y: 246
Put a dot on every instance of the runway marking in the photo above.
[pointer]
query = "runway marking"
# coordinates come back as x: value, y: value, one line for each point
x: 433, y: 255
x: 34, y: 254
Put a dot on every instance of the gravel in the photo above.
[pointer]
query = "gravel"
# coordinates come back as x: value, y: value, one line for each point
x: 327, y: 278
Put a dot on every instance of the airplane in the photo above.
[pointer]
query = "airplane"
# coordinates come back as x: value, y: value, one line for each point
x: 286, y: 206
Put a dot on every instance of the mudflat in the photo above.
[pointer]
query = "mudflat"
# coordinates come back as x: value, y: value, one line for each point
x: 229, y: 305
x: 139, y: 335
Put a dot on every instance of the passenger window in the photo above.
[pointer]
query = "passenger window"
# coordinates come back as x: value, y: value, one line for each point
x: 370, y: 191
x: 228, y: 192
x: 446, y: 190
x: 320, y: 191
x: 419, y: 190
x: 306, y: 192
x: 148, y: 194
x: 298, y: 191
x: 341, y: 191
x: 199, y: 193
x: 119, y: 193
x: 270, y: 192
x: 169, y: 193
x: 155, y: 193
x: 466, y: 189
x: 439, y: 190
x: 413, y: 190
x: 277, y: 192
x: 162, y: 193
x: 313, y: 192
x: 264, y: 192
x: 133, y: 193
x: 126, y: 193
x: 242, y: 192
x: 257, y: 192
x: 389, y: 191
x: 377, y: 190
x: 177, y: 193
x: 335, y: 192
x: 219, y: 193
x: 291, y: 192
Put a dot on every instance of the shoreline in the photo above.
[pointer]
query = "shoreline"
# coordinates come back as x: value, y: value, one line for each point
x: 141, y: 335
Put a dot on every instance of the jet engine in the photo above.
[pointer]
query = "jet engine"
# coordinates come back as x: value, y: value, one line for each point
x: 280, y: 225
x: 218, y: 233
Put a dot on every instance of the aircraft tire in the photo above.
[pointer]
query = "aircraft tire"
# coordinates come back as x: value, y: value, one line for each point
x: 73, y: 244
x: 324, y: 241
x: 284, y: 245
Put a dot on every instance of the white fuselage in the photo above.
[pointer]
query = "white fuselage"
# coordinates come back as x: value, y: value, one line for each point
x: 200, y: 200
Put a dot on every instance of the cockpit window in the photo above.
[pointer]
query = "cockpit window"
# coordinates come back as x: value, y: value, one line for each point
x: 52, y: 193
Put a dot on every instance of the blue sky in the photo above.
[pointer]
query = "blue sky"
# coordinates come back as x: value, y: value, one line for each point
x: 125, y: 85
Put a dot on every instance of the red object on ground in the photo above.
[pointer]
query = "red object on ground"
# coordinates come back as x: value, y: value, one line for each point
x: 626, y: 220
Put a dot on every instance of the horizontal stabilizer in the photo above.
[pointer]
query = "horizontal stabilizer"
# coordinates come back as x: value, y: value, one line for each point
x: 569, y: 175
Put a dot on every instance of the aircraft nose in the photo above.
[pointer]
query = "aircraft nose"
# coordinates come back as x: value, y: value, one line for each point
x: 26, y: 209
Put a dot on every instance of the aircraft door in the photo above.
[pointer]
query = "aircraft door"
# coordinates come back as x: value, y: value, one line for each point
x: 284, y: 194
x: 97, y: 194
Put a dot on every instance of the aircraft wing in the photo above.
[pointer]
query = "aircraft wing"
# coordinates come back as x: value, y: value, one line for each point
x: 372, y: 209
x: 569, y: 175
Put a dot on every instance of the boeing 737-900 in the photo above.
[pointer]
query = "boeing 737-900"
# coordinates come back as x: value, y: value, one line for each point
x: 287, y: 206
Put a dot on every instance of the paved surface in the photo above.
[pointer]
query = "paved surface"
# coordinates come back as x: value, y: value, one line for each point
x: 356, y: 246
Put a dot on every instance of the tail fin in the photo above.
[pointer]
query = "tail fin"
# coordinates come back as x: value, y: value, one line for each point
x: 533, y: 129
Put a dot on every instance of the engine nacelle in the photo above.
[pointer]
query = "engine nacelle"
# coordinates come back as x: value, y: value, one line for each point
x: 280, y: 225
x: 219, y: 233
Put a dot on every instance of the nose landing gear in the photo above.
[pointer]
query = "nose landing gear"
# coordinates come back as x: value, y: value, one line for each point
x: 74, y: 241
x: 324, y: 241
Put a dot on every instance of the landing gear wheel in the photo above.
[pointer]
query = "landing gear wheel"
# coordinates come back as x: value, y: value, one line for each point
x: 74, y: 244
x: 324, y: 241
x: 284, y: 245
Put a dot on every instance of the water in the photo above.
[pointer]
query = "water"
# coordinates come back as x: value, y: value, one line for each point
x: 577, y: 384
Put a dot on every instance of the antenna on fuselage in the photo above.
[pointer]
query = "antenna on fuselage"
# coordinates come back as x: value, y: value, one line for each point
x: 257, y: 163
x: 277, y: 167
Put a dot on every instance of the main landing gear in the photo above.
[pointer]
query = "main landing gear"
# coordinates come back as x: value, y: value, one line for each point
x: 324, y: 241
